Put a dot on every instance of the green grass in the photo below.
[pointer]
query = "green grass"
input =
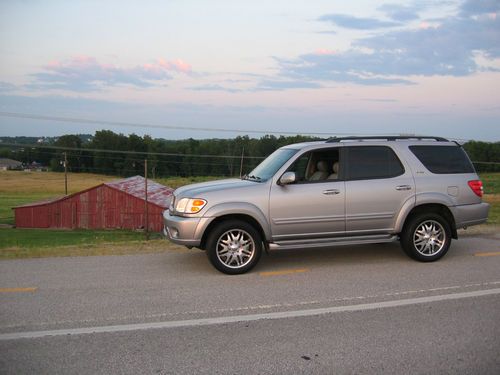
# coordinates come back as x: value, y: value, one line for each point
x: 31, y: 238
x: 21, y: 243
x: 9, y: 200
x: 491, y: 182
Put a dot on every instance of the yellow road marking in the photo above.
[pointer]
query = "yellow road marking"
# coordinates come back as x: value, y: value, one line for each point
x: 17, y: 290
x: 284, y: 272
x: 490, y: 254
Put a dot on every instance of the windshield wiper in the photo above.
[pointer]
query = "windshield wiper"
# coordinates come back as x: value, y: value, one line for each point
x: 252, y: 177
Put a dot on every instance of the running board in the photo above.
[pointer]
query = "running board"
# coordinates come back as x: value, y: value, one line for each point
x: 328, y: 242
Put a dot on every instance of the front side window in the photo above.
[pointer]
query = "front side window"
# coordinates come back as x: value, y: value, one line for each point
x: 372, y: 162
x: 317, y: 166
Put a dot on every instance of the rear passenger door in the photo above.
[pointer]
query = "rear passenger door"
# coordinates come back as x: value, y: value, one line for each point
x: 377, y: 186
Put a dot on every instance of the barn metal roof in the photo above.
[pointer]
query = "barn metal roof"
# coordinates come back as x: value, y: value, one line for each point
x: 157, y: 193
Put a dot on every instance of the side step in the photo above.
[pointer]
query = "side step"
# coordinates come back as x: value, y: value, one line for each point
x: 328, y: 242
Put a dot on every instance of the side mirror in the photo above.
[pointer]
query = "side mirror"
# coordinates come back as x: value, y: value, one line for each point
x: 287, y: 178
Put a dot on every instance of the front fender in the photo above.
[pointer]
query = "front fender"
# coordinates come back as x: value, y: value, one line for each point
x: 236, y: 208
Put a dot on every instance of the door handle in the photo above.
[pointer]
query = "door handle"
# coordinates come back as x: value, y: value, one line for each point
x: 331, y: 192
x: 403, y: 187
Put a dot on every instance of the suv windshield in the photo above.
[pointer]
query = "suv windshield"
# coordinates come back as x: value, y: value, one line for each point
x: 271, y: 164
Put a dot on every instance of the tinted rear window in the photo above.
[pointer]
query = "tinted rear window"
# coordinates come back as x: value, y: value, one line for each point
x: 443, y: 159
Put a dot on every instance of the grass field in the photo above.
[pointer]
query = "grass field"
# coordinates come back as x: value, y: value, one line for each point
x: 18, y: 188
x: 32, y: 243
x: 491, y: 182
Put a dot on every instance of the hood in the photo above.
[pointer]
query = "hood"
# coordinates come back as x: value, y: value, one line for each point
x: 198, y: 190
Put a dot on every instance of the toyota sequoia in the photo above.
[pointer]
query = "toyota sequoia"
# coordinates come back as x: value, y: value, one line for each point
x: 343, y: 191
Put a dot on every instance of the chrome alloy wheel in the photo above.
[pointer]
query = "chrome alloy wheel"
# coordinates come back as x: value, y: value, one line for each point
x: 235, y: 248
x: 429, y: 238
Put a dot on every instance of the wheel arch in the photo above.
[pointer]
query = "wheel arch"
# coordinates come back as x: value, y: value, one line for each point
x: 436, y: 208
x: 232, y: 217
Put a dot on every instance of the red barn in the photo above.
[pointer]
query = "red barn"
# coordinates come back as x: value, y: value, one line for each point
x: 117, y: 204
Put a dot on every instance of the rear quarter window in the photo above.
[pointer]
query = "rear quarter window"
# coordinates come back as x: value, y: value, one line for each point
x: 443, y: 159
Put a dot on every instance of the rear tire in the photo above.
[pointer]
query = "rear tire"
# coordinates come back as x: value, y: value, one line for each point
x: 426, y: 237
x: 234, y: 247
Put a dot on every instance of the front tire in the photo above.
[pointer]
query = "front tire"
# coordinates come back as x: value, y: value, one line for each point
x: 426, y: 237
x: 234, y: 247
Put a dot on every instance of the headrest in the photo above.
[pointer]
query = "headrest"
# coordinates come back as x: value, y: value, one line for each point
x: 322, y: 166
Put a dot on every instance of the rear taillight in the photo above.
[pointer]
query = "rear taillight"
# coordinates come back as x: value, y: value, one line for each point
x: 477, y: 187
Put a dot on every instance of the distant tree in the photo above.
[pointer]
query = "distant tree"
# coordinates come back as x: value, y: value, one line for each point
x: 73, y: 153
x: 485, y: 155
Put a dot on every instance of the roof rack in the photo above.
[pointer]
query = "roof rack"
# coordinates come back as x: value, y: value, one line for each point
x: 387, y: 138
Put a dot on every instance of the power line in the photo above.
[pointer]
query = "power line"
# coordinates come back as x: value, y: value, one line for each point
x: 153, y: 161
x: 144, y: 125
x: 127, y: 152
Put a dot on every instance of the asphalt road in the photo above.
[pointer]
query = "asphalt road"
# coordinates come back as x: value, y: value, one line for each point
x: 357, y: 309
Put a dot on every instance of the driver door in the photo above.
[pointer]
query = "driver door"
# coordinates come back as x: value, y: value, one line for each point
x: 313, y: 206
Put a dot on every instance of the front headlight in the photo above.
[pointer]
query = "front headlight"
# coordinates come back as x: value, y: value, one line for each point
x: 190, y: 205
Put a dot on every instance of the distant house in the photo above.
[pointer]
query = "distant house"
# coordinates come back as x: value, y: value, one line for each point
x: 117, y: 204
x: 35, y: 167
x: 9, y: 164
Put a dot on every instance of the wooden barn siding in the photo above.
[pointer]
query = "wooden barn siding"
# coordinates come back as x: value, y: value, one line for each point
x: 102, y: 207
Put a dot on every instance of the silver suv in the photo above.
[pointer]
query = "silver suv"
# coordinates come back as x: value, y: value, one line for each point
x: 343, y: 191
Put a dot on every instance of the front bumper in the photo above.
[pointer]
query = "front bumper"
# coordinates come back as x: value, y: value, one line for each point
x: 187, y: 231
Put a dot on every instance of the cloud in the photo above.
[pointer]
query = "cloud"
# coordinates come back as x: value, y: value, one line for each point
x: 350, y: 22
x: 446, y: 48
x: 400, y: 13
x: 382, y: 100
x: 350, y: 67
x: 278, y: 85
x: 6, y: 86
x: 84, y: 73
x: 478, y: 7
x: 215, y: 87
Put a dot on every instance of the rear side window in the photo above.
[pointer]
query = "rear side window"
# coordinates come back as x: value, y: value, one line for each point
x: 443, y: 159
x: 371, y: 162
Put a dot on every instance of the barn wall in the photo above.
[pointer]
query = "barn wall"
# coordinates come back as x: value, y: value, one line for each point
x: 101, y: 207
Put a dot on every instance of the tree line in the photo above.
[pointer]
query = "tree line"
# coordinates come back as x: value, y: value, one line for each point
x: 166, y: 158
x: 189, y: 157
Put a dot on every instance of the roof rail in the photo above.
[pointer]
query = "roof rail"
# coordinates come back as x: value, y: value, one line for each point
x: 385, y: 137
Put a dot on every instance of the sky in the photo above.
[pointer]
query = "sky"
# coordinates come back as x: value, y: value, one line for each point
x: 222, y: 68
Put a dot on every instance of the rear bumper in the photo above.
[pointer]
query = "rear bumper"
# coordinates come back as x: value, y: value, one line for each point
x: 472, y: 214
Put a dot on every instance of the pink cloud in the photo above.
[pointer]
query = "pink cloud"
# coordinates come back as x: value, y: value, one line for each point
x: 85, y: 73
x: 325, y: 52
x: 424, y: 25
x: 176, y: 65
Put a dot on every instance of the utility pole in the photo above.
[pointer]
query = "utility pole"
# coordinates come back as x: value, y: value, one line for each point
x: 65, y: 173
x: 146, y: 219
